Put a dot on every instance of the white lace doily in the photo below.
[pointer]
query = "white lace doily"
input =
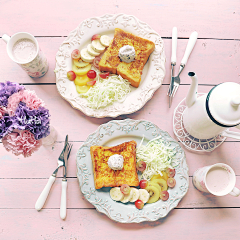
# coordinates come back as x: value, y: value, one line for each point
x: 188, y: 141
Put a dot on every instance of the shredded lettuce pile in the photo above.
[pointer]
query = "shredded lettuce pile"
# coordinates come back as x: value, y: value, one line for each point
x: 157, y: 156
x: 107, y: 91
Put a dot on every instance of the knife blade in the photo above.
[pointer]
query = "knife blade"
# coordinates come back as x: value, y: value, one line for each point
x: 63, y: 207
x: 60, y: 161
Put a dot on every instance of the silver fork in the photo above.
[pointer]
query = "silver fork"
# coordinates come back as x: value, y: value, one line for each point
x: 175, y: 81
x: 61, y: 158
x: 44, y: 194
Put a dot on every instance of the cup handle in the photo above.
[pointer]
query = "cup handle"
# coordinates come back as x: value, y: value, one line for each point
x: 235, y: 192
x: 5, y: 38
x: 231, y: 134
x: 238, y: 126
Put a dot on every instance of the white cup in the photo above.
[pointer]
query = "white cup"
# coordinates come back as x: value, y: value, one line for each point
x: 38, y: 65
x: 218, y: 179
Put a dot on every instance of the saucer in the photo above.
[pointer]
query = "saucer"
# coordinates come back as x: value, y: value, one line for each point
x: 187, y: 140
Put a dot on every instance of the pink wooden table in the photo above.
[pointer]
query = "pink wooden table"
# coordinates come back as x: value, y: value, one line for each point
x: 215, y: 59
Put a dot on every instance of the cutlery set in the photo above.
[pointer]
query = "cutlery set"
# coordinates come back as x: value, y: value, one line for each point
x: 175, y: 81
x: 62, y: 162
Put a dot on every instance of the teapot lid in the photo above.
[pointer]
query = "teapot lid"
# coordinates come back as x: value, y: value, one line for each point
x: 223, y: 104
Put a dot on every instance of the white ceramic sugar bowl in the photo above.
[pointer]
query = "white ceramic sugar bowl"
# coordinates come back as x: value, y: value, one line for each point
x: 213, y: 113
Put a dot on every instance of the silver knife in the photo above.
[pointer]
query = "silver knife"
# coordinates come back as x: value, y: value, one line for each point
x: 63, y: 207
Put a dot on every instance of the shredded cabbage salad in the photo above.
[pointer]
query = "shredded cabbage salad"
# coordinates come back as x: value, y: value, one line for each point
x: 107, y: 91
x: 157, y: 156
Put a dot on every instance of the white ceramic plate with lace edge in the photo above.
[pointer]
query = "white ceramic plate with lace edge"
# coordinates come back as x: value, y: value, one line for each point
x: 153, y: 72
x: 115, y: 132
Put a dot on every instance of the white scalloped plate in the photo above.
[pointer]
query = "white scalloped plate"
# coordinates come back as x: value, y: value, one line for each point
x: 153, y: 72
x: 116, y: 132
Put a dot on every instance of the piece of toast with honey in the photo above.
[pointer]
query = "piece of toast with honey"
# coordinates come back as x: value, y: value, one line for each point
x: 132, y: 71
x: 104, y: 176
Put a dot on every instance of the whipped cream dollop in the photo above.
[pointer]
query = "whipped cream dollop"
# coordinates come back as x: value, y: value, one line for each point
x: 127, y: 53
x: 115, y: 162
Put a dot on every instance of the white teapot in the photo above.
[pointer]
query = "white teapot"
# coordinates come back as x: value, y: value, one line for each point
x: 212, y: 114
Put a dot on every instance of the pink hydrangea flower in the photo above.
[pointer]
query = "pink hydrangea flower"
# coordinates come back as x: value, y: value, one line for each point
x: 21, y: 142
x: 26, y: 96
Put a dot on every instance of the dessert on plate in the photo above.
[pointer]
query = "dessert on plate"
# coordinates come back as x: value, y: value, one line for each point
x: 104, y: 176
x: 132, y: 71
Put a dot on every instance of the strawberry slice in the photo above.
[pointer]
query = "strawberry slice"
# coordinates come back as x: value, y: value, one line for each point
x: 91, y: 83
x: 104, y: 75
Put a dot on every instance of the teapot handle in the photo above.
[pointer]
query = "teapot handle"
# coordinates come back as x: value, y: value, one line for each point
x: 231, y: 134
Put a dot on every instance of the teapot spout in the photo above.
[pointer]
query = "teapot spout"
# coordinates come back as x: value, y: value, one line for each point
x: 192, y: 92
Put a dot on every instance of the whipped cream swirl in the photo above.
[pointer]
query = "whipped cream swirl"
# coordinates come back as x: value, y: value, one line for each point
x: 115, y: 162
x: 127, y: 53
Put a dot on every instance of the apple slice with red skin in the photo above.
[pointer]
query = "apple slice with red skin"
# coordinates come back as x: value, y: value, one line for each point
x: 104, y: 75
x: 91, y: 83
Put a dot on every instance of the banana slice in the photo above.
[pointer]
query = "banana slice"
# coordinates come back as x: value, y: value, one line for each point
x: 97, y: 46
x: 143, y: 195
x: 135, y: 195
x: 105, y: 40
x: 116, y: 194
x: 127, y: 197
x: 91, y: 51
x: 86, y: 56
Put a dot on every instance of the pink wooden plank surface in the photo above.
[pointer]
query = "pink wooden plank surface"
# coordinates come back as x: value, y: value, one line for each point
x: 205, y: 60
x: 215, y: 59
x: 214, y: 18
x: 156, y: 110
x: 25, y: 192
x: 86, y: 224
x: 42, y: 163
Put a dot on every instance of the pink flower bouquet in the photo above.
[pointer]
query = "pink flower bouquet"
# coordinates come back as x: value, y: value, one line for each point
x: 24, y: 120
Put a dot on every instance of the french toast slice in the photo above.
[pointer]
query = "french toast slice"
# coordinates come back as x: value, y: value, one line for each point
x: 104, y: 176
x: 132, y: 71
